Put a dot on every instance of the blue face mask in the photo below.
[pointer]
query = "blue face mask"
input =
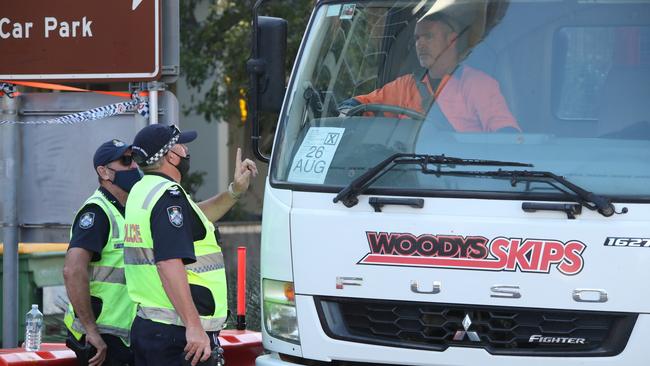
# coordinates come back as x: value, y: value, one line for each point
x: 126, y: 179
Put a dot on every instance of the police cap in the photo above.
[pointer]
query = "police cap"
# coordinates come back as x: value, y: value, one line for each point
x: 154, y: 141
x: 109, y: 151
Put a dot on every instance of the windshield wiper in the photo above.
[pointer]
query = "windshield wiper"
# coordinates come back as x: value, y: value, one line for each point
x: 349, y: 195
x: 590, y: 200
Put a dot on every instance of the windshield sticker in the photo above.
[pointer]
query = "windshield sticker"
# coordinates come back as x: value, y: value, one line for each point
x: 348, y: 11
x: 627, y: 242
x: 474, y: 253
x: 313, y: 159
x: 333, y: 10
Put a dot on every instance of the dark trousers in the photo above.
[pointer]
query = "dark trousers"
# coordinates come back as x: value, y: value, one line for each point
x: 117, y: 353
x: 157, y: 344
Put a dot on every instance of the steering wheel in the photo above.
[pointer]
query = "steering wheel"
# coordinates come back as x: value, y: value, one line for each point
x: 385, y: 108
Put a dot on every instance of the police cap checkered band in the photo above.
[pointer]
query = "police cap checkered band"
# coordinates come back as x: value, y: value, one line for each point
x: 154, y: 141
x: 162, y: 151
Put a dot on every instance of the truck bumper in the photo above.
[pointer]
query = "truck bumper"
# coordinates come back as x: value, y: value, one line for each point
x: 271, y: 360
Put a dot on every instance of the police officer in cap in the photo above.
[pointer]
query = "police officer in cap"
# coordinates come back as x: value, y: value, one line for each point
x: 174, y: 265
x: 100, y: 312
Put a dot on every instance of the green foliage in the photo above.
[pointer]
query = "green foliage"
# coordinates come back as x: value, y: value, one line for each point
x: 215, y: 42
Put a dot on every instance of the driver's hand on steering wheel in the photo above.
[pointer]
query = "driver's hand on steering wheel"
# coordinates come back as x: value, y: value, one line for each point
x: 343, y: 112
x: 345, y: 107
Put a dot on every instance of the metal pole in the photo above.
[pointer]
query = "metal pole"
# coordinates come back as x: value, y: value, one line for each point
x: 153, y: 106
x: 154, y: 87
x: 10, y: 143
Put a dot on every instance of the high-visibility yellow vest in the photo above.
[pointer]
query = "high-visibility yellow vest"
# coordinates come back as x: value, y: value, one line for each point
x: 143, y: 281
x: 107, y: 280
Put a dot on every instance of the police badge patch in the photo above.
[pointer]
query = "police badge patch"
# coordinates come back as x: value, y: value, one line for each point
x: 87, y: 220
x: 175, y: 216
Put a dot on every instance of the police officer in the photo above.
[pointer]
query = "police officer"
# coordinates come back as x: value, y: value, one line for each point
x: 174, y: 265
x: 100, y: 311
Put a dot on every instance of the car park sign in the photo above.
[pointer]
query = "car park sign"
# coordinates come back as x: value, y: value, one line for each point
x: 80, y: 40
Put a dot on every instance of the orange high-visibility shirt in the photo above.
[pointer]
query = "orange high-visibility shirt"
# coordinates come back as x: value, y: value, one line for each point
x: 471, y: 101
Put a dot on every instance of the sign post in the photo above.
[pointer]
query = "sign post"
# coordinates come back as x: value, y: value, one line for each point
x: 75, y: 40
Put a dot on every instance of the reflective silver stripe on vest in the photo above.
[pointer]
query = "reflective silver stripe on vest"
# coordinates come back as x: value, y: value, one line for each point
x: 152, y: 192
x: 103, y: 329
x: 114, y: 227
x: 138, y: 256
x: 108, y: 274
x: 206, y: 263
x: 170, y: 316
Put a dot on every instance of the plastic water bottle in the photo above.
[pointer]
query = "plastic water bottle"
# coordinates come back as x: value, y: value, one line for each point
x: 33, y: 328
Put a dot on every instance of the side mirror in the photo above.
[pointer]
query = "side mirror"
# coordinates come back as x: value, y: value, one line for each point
x: 272, y: 51
x: 266, y: 71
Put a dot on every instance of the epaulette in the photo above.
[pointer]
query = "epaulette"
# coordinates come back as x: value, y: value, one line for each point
x: 174, y: 191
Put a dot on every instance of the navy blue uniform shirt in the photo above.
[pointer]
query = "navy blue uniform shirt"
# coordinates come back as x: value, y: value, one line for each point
x: 175, y: 226
x: 90, y: 228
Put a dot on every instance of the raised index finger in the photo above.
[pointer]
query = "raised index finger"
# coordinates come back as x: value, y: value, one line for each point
x: 238, y: 160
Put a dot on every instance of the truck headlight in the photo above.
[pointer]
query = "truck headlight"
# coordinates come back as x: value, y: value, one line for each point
x: 280, y: 319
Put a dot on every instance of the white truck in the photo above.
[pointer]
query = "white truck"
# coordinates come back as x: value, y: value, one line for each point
x: 391, y: 236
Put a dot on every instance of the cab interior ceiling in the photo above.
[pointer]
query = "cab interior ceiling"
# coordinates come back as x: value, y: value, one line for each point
x: 526, y: 37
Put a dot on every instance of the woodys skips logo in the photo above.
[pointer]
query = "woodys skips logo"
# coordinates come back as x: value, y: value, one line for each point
x: 474, y: 253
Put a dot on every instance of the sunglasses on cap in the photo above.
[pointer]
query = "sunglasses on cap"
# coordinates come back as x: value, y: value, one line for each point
x: 175, y: 130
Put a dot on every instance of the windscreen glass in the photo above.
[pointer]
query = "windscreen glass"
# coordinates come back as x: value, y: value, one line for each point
x: 561, y: 85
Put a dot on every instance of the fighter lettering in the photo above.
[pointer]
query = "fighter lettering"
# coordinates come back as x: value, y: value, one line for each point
x: 68, y: 29
x: 538, y: 338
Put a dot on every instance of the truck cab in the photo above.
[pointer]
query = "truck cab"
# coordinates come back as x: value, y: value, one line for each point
x: 504, y: 222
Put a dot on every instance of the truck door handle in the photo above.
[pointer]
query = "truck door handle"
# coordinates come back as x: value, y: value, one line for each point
x: 571, y: 209
x: 378, y: 202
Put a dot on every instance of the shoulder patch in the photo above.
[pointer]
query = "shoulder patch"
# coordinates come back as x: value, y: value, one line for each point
x: 87, y: 220
x: 174, y: 191
x: 175, y: 215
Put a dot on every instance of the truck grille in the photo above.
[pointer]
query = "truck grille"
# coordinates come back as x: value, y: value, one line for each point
x: 499, y: 330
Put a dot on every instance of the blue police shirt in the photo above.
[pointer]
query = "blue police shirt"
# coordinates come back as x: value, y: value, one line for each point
x: 175, y: 226
x: 92, y: 235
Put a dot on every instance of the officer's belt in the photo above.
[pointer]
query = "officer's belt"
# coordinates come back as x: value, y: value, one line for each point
x: 144, y: 256
x: 171, y: 316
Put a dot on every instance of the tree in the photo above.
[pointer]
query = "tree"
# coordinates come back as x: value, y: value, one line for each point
x: 216, y: 42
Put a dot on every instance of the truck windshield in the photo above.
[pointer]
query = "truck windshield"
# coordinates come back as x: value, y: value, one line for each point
x: 561, y: 85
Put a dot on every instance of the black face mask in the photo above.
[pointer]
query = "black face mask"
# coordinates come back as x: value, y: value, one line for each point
x: 126, y: 179
x: 184, y: 165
